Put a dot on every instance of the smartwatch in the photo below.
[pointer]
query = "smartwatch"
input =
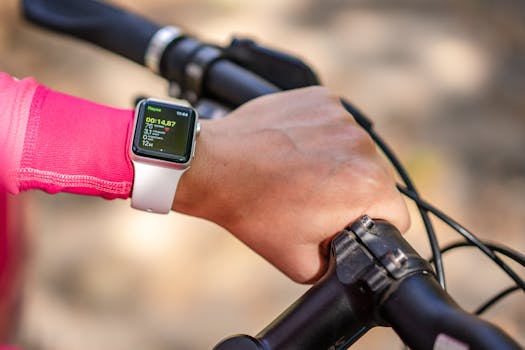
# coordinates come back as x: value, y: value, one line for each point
x: 162, y: 149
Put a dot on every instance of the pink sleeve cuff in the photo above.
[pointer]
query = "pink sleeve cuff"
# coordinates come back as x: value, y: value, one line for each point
x: 72, y: 145
x: 15, y: 105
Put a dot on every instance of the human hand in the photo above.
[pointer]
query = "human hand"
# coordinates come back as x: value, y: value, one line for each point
x: 284, y: 173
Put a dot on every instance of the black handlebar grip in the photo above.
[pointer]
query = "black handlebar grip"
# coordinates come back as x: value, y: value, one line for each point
x: 426, y: 317
x: 109, y: 27
x: 231, y: 82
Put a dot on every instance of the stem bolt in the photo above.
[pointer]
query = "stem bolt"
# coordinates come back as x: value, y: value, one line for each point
x: 367, y: 222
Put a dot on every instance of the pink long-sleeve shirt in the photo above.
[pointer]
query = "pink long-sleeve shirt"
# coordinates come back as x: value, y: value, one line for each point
x: 56, y: 142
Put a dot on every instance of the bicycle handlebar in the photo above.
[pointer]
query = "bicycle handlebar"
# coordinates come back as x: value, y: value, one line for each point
x: 129, y: 35
x: 426, y: 317
x: 106, y: 26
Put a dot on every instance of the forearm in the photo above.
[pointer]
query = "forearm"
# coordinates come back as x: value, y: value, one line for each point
x: 56, y: 142
x: 283, y: 173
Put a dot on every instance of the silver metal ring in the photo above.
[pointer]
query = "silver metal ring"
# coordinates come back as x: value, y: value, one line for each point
x: 158, y: 44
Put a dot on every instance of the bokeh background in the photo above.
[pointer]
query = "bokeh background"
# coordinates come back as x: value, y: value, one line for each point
x: 444, y: 82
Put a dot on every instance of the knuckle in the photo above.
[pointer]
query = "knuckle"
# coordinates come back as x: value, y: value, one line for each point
x: 318, y: 90
x: 363, y: 140
x: 305, y: 273
x: 377, y: 180
x: 357, y: 141
x: 322, y: 95
x: 388, y: 204
x: 394, y: 210
x: 371, y: 175
x: 404, y: 222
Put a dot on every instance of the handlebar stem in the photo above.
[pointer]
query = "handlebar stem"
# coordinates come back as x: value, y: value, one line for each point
x: 366, y: 261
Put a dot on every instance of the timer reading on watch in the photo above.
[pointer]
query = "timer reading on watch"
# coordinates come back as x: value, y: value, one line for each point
x: 163, y: 122
x: 164, y: 131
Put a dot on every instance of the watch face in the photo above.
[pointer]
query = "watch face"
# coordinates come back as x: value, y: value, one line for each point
x: 164, y: 131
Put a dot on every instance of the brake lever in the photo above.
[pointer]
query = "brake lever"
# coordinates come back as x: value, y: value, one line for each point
x: 283, y: 70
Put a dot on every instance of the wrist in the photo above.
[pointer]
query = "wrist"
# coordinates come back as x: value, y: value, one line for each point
x: 195, y: 185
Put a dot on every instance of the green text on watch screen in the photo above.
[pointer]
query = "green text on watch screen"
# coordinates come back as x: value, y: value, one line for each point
x: 166, y: 129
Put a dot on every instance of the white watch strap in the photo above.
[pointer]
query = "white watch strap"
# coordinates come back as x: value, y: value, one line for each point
x: 154, y: 187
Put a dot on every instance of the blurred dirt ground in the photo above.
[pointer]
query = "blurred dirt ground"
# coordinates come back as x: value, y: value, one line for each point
x: 444, y: 82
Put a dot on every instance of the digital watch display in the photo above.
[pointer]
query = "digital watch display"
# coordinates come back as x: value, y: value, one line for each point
x: 162, y: 149
x: 164, y: 131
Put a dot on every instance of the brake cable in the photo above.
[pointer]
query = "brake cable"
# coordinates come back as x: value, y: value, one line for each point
x: 365, y: 122
x: 469, y: 236
x: 497, y: 247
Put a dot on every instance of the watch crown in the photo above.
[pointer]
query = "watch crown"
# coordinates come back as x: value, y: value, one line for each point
x: 198, y: 128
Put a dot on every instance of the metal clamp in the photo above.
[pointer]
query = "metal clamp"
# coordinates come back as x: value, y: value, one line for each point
x: 158, y: 44
x: 195, y: 70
